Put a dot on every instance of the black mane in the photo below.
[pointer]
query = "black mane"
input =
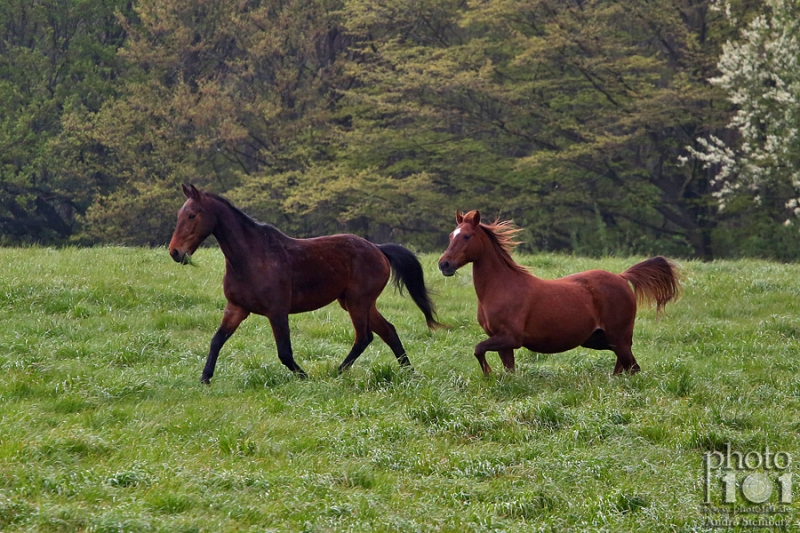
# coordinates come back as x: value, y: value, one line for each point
x: 243, y: 217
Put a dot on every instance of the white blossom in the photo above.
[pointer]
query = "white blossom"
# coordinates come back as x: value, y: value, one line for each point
x: 760, y: 71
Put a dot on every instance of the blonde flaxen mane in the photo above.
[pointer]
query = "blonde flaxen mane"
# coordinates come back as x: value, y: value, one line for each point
x: 502, y: 234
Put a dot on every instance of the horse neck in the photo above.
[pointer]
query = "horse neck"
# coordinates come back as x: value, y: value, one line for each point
x: 492, y: 270
x: 236, y: 237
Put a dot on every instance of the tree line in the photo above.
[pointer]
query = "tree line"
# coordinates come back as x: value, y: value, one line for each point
x: 587, y: 122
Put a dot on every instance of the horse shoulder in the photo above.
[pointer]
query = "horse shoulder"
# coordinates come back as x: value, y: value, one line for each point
x: 262, y: 285
x: 507, y: 308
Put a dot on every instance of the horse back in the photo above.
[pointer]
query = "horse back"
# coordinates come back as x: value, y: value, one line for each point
x: 604, y: 286
x: 612, y: 296
x: 299, y: 275
x: 334, y: 267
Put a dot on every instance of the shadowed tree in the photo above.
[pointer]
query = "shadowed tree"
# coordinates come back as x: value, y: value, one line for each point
x: 569, y: 116
x: 57, y: 57
x: 219, y: 93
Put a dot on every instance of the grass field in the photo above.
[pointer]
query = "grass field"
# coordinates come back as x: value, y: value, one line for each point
x: 104, y: 426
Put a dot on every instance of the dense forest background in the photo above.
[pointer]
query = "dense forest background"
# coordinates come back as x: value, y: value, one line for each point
x: 584, y: 121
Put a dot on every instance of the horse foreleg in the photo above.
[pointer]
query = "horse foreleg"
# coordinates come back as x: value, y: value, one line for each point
x: 231, y: 318
x: 501, y: 343
x: 360, y: 319
x: 507, y: 357
x: 283, y: 342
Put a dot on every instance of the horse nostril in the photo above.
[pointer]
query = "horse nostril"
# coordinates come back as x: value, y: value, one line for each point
x: 444, y: 264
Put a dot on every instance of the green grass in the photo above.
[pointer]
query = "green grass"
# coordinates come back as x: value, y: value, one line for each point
x: 105, y: 428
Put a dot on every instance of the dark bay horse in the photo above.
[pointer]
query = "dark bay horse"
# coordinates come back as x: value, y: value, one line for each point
x: 271, y: 274
x: 594, y: 309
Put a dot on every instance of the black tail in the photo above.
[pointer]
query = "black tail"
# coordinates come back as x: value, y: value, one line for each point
x: 407, y: 270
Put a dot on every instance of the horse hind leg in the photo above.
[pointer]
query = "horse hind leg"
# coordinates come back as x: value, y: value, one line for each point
x: 626, y: 362
x: 359, y: 316
x: 386, y: 331
x: 597, y: 341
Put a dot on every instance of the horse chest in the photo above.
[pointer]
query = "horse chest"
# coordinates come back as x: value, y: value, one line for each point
x: 496, y: 318
x: 265, y: 295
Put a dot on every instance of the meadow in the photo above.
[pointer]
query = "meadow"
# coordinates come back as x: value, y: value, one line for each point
x: 104, y: 426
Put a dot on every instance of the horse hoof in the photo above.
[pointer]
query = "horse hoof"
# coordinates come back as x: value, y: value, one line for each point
x: 205, y: 381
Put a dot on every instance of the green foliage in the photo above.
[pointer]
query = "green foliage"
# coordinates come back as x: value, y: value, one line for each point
x: 576, y: 109
x: 105, y: 427
x: 377, y: 118
x: 219, y: 93
x: 758, y: 71
x: 56, y: 57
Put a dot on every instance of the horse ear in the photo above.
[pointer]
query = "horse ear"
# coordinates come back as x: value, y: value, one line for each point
x: 476, y: 218
x: 459, y: 217
x: 191, y: 192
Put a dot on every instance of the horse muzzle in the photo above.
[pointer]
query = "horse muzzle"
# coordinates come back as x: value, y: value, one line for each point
x: 180, y: 257
x: 447, y: 268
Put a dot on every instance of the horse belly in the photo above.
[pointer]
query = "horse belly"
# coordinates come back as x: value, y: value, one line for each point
x: 266, y: 301
x: 557, y: 342
x: 560, y: 331
x: 336, y: 268
x: 310, y: 300
x: 552, y: 345
x: 317, y: 287
x: 312, y: 274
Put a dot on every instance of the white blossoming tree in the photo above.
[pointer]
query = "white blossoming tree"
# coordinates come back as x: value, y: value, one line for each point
x: 761, y: 74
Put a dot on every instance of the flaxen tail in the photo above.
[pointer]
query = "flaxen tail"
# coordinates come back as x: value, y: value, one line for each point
x: 655, y: 280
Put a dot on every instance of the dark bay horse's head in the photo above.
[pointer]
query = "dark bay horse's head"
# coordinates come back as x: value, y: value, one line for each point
x: 195, y: 224
x: 464, y: 243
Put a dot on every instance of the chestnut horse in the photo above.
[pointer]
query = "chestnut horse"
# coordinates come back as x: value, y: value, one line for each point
x: 594, y: 309
x: 271, y: 274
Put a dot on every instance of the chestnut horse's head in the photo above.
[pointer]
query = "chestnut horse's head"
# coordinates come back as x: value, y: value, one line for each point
x: 195, y: 223
x: 464, y: 243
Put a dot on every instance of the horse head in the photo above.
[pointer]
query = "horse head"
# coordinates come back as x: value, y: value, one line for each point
x: 195, y: 224
x: 464, y: 243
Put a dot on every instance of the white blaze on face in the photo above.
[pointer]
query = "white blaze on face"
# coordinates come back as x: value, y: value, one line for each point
x: 456, y: 232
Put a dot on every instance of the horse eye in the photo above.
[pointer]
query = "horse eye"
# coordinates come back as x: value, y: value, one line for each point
x: 466, y: 237
x: 192, y: 216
